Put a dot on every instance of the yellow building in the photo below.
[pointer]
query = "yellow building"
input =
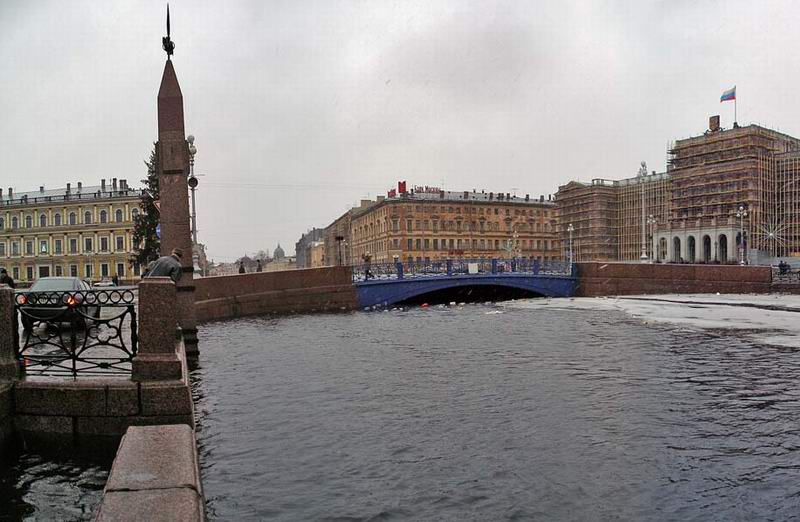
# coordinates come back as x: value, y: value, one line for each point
x: 317, y: 254
x: 428, y: 224
x: 78, y: 231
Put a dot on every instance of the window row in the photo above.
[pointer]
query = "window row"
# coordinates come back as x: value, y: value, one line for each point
x: 71, y: 219
x: 32, y: 273
x: 43, y: 246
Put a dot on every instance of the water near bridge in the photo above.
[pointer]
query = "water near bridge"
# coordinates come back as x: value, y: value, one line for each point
x: 490, y: 412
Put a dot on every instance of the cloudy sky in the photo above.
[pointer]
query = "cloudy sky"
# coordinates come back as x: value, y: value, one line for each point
x: 301, y: 108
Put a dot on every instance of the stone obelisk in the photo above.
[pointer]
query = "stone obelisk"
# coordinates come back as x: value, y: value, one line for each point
x: 173, y: 171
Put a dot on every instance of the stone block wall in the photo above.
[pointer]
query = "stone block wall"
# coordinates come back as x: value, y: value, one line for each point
x: 290, y: 291
x: 603, y: 279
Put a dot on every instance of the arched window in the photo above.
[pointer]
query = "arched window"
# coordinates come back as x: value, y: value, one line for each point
x: 73, y: 219
x: 87, y: 217
x: 103, y: 216
x: 28, y: 222
x: 118, y: 216
x: 14, y: 222
x: 57, y: 220
x: 42, y: 220
x: 134, y: 213
x: 2, y: 223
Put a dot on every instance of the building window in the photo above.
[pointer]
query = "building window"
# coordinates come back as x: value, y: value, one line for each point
x: 28, y: 222
x: 436, y: 244
x: 87, y: 218
x: 418, y: 245
x: 103, y: 216
x: 73, y: 270
x: 16, y: 272
x: 120, y: 243
x: 87, y: 244
x: 29, y: 248
x: 2, y: 223
x: 396, y: 243
x: 104, y: 270
x: 43, y: 247
x: 427, y: 244
x: 42, y: 221
x: 121, y: 269
x: 410, y: 245
x: 57, y: 246
x: 87, y: 271
x: 2, y: 249
x: 103, y: 244
x: 15, y: 248
x: 57, y: 220
x: 59, y: 271
x: 14, y: 222
x: 134, y: 214
x: 29, y: 273
x: 118, y: 215
x: 394, y: 225
x: 73, y: 246
x: 72, y: 218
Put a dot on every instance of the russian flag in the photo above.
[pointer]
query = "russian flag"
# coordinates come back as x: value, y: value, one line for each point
x: 728, y: 95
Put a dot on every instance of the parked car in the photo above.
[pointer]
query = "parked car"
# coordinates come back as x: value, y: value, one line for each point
x: 105, y: 283
x: 36, y: 304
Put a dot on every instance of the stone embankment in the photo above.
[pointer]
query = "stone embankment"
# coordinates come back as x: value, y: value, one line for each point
x: 292, y: 291
x: 612, y: 279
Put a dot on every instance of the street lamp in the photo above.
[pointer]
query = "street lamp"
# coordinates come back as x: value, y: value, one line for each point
x: 741, y: 214
x: 651, y: 221
x: 642, y: 174
x: 570, y: 229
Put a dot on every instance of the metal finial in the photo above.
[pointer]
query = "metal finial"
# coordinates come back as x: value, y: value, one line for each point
x: 166, y: 43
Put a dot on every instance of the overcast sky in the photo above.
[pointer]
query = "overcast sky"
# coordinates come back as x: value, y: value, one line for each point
x: 302, y: 108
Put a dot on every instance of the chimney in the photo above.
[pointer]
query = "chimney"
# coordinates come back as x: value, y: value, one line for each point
x: 1, y: 194
x: 441, y: 195
x: 80, y: 186
x: 713, y: 123
x: 541, y: 198
x: 41, y: 189
x: 10, y: 193
x: 508, y: 195
x: 550, y: 198
x: 102, y: 185
x: 499, y: 196
x: 123, y: 184
x: 491, y: 196
x: 527, y: 197
x: 68, y: 187
x: 466, y: 194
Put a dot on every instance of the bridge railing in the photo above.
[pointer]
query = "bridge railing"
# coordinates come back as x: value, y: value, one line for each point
x: 82, y: 332
x: 458, y: 267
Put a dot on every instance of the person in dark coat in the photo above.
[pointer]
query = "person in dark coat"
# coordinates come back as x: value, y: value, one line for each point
x: 6, y: 279
x: 258, y: 266
x: 115, y: 280
x: 167, y: 266
x: 241, y: 267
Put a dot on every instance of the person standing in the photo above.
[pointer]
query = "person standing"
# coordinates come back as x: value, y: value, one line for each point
x: 167, y: 266
x: 241, y: 267
x: 115, y: 280
x: 258, y: 266
x: 6, y: 279
x: 367, y: 266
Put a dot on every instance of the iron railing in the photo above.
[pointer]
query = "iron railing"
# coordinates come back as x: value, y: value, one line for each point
x: 458, y: 267
x: 786, y: 276
x: 86, y: 332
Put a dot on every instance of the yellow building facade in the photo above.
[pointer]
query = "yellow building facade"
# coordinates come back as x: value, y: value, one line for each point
x: 83, y: 231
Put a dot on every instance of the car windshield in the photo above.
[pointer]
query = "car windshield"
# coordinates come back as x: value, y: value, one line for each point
x: 54, y: 284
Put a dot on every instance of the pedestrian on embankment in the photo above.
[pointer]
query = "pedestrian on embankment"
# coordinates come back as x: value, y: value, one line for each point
x: 167, y: 266
x: 6, y: 279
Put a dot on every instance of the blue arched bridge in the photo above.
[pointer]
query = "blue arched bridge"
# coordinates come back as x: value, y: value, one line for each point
x: 392, y: 283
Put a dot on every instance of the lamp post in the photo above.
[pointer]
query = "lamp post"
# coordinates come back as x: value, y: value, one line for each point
x: 570, y: 229
x: 192, y: 182
x: 651, y: 221
x: 741, y: 214
x: 642, y: 174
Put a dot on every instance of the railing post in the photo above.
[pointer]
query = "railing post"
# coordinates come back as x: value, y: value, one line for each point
x: 157, y: 358
x: 494, y: 265
x: 9, y: 367
x: 399, y: 266
x: 449, y: 264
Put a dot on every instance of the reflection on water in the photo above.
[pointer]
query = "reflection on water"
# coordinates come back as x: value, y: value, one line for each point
x: 490, y: 413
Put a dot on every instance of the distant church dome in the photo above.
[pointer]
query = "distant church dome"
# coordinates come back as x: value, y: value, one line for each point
x: 279, y: 253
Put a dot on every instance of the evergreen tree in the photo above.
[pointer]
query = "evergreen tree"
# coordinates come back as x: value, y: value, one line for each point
x: 146, y: 242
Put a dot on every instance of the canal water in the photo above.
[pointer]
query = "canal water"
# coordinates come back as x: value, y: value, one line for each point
x: 495, y: 412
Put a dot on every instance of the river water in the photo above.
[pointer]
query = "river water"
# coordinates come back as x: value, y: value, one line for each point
x: 492, y: 412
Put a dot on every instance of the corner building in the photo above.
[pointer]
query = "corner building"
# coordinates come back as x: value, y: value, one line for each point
x: 432, y: 224
x: 83, y: 231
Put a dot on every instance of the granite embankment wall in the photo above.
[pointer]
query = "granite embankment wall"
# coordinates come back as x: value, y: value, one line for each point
x: 290, y: 291
x: 604, y: 279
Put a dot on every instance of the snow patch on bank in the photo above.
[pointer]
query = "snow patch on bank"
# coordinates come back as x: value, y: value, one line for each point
x: 706, y: 312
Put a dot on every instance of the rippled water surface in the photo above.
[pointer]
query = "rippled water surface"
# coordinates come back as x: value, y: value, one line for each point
x: 63, y: 484
x: 494, y: 413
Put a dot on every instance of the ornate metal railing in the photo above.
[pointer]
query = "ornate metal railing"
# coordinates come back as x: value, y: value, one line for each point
x: 89, y: 332
x: 786, y: 276
x: 458, y: 267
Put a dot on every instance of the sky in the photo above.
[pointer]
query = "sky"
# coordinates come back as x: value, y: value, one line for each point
x: 302, y: 108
